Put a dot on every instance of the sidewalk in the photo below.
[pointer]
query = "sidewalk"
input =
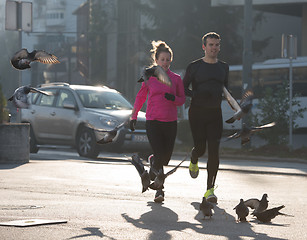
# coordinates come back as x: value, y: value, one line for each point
x: 102, y: 199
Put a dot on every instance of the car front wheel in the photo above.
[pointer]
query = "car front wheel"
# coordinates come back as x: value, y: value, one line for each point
x: 86, y: 144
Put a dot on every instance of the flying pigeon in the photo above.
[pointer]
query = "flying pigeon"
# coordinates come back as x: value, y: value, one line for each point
x: 246, y: 132
x: 20, y: 96
x: 158, y: 72
x: 240, y: 109
x: 22, y: 59
x: 206, y: 208
x: 241, y: 211
x: 137, y: 162
x: 258, y: 205
x: 160, y: 176
x: 268, y: 215
x: 109, y: 134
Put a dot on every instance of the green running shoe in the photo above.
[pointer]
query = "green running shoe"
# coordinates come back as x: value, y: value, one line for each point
x: 194, y: 170
x: 209, y: 195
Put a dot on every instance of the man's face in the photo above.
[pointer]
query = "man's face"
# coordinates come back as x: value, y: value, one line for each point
x: 212, y: 47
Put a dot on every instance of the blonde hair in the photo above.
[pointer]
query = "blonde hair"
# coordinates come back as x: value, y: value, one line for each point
x: 158, y: 47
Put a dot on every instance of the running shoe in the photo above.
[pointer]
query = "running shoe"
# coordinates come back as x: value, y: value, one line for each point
x: 159, y: 197
x: 194, y: 170
x: 209, y: 195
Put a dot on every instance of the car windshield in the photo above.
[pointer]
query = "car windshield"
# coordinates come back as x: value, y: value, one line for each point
x: 103, y: 100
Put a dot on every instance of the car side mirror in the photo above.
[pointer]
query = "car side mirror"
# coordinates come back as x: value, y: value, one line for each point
x: 69, y: 104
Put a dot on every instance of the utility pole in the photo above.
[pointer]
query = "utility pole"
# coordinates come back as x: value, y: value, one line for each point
x: 247, y: 51
x: 289, y: 50
x: 18, y: 17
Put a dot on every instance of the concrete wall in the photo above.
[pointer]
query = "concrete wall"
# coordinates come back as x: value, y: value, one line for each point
x: 14, y: 143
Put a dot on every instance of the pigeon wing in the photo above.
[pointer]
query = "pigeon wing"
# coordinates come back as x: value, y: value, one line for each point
x: 46, y: 58
x: 235, y: 135
x: 259, y: 128
x: 34, y: 90
x: 162, y: 76
x: 135, y: 160
x: 121, y: 125
x: 253, y: 203
x: 247, y: 98
x: 175, y: 168
x: 246, y: 102
x: 231, y: 101
x: 96, y: 129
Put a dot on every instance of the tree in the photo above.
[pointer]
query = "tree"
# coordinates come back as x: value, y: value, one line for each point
x: 182, y: 24
x: 97, y: 39
x: 274, y: 106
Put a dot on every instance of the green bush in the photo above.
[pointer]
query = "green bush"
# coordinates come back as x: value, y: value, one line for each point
x: 274, y: 107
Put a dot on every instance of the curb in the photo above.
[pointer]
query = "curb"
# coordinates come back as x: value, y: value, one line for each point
x: 250, y: 158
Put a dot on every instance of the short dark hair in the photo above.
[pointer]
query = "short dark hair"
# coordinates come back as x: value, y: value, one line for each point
x: 210, y: 35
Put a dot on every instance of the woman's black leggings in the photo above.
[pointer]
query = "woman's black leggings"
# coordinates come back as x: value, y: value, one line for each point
x: 161, y: 136
x: 206, y: 127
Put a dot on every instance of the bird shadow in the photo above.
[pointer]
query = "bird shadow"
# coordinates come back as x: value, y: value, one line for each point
x: 232, y: 229
x: 269, y: 223
x: 160, y: 220
x: 92, y: 232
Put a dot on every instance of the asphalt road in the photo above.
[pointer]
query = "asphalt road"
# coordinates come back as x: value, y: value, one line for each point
x: 102, y: 199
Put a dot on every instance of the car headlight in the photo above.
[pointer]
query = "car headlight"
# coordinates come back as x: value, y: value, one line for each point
x: 108, y: 122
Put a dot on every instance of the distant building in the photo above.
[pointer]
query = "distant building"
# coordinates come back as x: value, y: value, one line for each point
x: 119, y: 35
x: 282, y: 16
x: 54, y: 30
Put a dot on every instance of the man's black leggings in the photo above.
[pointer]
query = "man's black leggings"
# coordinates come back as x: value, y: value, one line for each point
x: 206, y: 127
x: 161, y: 136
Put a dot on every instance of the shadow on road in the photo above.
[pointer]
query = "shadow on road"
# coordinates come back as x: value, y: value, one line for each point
x: 224, y: 224
x: 4, y: 166
x: 161, y: 220
x: 93, y: 232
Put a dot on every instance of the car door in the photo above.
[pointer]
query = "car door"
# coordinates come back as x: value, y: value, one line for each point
x: 65, y: 119
x: 42, y: 111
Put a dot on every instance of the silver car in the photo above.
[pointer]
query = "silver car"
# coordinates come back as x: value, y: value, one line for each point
x: 62, y: 117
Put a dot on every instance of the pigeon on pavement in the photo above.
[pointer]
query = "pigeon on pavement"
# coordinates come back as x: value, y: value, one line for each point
x: 242, y: 211
x: 145, y: 179
x: 267, y: 215
x: 206, y: 208
x: 246, y: 132
x: 20, y: 96
x: 22, y: 59
x: 158, y: 72
x: 258, y: 205
x: 240, y: 109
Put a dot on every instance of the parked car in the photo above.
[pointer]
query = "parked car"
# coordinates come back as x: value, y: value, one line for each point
x: 62, y: 118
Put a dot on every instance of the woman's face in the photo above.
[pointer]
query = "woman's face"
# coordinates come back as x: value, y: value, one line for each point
x: 164, y: 60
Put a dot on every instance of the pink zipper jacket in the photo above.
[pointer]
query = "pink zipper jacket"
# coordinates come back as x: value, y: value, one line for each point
x: 158, y: 107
